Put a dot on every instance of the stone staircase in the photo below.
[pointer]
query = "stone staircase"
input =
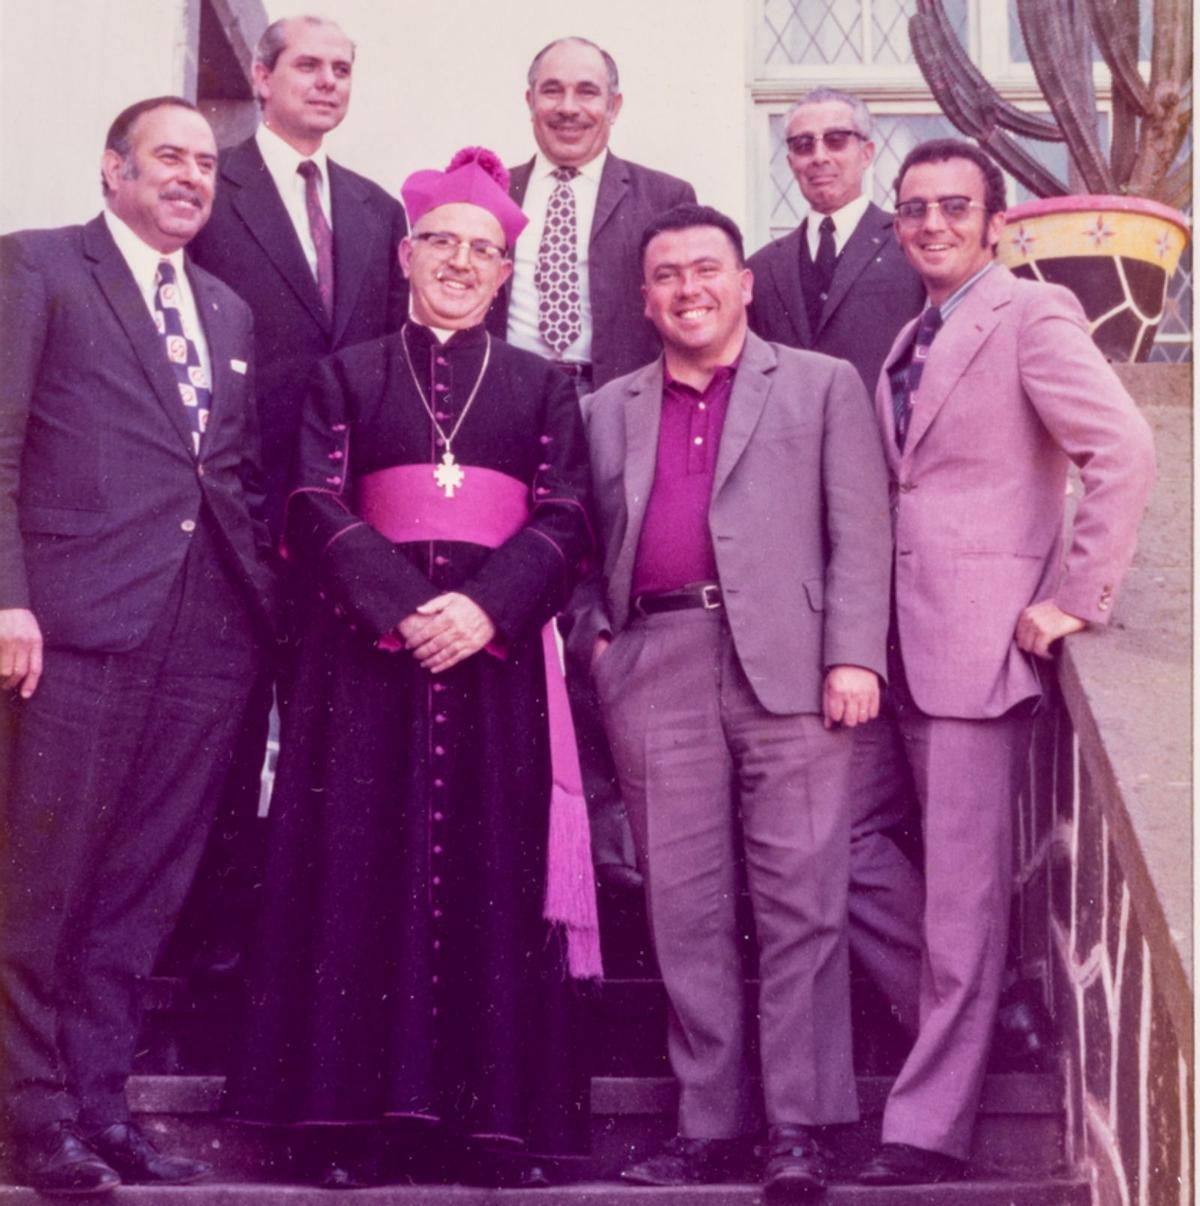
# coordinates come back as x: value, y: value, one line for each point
x: 1018, y: 1160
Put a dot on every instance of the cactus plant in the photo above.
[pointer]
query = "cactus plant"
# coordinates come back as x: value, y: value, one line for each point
x: 1150, y: 120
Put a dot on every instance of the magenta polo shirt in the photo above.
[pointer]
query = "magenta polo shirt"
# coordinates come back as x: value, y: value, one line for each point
x: 675, y: 546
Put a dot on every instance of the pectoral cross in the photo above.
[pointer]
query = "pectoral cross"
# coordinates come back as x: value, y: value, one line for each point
x: 449, y: 474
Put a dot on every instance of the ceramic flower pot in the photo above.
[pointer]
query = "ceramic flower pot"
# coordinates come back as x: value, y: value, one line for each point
x: 1116, y: 254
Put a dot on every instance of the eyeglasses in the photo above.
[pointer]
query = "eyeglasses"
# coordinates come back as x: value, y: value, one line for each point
x: 445, y: 244
x: 834, y: 140
x: 953, y: 209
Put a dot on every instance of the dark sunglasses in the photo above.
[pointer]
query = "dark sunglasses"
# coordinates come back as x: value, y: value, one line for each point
x: 834, y: 140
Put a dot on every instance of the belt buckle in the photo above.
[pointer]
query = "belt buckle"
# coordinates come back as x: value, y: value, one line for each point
x: 710, y: 597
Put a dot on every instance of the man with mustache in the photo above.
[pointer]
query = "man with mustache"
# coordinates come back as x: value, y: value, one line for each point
x: 134, y: 605
x: 311, y: 247
x: 575, y: 298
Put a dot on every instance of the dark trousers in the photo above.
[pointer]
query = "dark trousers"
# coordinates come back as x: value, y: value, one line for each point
x: 112, y: 780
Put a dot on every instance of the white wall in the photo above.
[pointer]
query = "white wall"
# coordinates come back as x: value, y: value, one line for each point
x: 430, y: 77
x: 67, y: 68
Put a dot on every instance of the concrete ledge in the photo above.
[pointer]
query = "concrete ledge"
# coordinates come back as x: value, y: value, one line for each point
x: 1128, y: 692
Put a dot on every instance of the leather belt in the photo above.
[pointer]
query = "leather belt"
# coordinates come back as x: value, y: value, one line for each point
x: 700, y: 594
x: 575, y: 369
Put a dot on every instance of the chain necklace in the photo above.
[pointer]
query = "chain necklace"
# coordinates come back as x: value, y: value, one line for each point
x: 449, y: 475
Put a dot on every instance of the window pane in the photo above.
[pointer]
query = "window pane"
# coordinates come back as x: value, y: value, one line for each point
x: 813, y: 31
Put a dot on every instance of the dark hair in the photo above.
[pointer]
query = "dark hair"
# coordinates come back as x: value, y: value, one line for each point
x: 684, y: 217
x: 274, y: 39
x: 120, y: 134
x: 610, y: 64
x: 938, y: 150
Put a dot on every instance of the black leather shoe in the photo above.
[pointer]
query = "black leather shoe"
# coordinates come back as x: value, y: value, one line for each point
x: 691, y: 1162
x: 139, y: 1162
x: 903, y: 1164
x: 1024, y: 1038
x: 620, y: 876
x: 796, y: 1169
x: 55, y: 1160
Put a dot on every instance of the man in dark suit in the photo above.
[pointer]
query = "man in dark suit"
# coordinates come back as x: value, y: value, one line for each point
x: 312, y: 248
x: 575, y: 298
x: 840, y: 284
x: 134, y: 603
x: 738, y: 638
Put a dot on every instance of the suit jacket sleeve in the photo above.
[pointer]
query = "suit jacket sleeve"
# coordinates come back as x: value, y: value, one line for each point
x: 1097, y: 424
x: 857, y: 528
x: 337, y: 554
x: 397, y: 300
x: 23, y: 325
x: 529, y: 577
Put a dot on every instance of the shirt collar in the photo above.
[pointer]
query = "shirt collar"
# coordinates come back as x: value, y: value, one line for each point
x: 138, y: 254
x: 955, y: 299
x: 590, y: 171
x: 722, y: 373
x: 845, y: 219
x: 282, y: 159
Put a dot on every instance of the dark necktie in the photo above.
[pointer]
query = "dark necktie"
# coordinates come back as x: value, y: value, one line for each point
x: 928, y: 326
x: 556, y: 276
x: 322, y: 236
x: 826, y: 260
x: 194, y: 386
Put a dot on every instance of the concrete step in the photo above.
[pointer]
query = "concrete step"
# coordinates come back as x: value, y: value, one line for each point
x: 1052, y: 1192
x: 1019, y: 1131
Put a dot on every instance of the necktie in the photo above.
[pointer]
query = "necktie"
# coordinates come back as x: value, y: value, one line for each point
x: 928, y: 326
x: 556, y: 276
x: 322, y: 236
x: 826, y: 260
x: 194, y: 386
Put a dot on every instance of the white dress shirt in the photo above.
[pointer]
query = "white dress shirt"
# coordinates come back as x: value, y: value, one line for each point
x: 523, y: 302
x: 845, y: 221
x: 283, y: 160
x: 143, y: 263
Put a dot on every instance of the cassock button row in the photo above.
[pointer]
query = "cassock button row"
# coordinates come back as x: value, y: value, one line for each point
x: 336, y: 455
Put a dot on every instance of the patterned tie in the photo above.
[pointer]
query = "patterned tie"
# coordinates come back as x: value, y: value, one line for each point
x: 556, y: 277
x: 322, y: 236
x: 902, y: 400
x: 194, y: 386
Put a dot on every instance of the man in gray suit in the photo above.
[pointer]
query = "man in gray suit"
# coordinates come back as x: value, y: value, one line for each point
x: 840, y: 284
x: 738, y: 636
x: 575, y: 298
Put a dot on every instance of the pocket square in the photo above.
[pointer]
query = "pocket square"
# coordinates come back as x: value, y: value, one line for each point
x: 238, y: 366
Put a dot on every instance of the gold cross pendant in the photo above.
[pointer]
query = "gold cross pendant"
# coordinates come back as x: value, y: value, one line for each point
x: 449, y: 474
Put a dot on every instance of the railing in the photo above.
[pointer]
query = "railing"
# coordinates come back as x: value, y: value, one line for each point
x: 1103, y: 910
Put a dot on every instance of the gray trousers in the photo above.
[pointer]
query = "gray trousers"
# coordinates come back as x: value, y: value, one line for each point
x: 691, y: 743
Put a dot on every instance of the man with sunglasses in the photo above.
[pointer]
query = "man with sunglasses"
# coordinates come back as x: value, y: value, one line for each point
x: 983, y: 403
x: 840, y: 284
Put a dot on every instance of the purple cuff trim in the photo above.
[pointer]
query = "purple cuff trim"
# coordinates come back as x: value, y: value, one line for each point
x: 338, y: 535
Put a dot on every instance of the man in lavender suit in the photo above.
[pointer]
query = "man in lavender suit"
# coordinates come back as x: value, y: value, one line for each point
x: 984, y: 401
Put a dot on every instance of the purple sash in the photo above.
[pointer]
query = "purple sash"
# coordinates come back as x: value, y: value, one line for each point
x: 405, y: 504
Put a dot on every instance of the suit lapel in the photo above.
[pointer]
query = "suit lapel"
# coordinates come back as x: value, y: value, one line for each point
x: 643, y: 414
x: 257, y: 201
x: 353, y: 245
x: 865, y: 243
x: 955, y: 347
x: 750, y: 387
x: 518, y: 181
x: 784, y: 273
x: 614, y: 184
x: 123, y: 295
x: 884, y: 410
x: 215, y: 322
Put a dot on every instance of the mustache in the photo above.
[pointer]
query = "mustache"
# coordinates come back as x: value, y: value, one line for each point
x: 178, y: 192
x: 569, y: 123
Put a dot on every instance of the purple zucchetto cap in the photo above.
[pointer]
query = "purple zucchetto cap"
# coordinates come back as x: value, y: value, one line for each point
x: 474, y: 176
